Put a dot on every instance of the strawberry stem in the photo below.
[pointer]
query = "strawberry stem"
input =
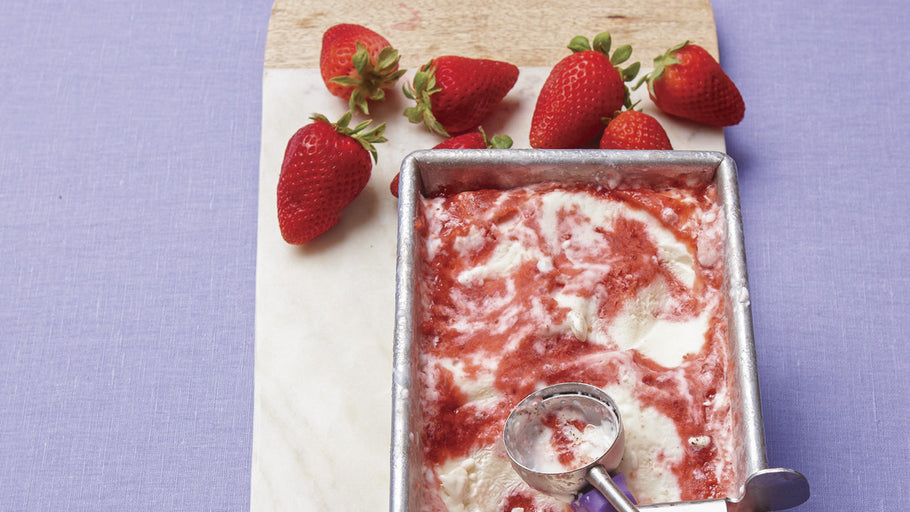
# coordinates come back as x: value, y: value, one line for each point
x: 497, y: 142
x: 423, y: 87
x: 661, y: 62
x: 365, y: 137
x: 373, y: 77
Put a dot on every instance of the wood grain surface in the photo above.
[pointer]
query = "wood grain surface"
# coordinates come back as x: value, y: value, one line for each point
x: 523, y: 32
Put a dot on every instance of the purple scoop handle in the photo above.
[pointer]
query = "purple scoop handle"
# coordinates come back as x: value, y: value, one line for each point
x: 594, y: 501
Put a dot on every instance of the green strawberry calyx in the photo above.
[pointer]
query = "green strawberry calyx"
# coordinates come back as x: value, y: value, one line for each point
x: 497, y: 142
x: 373, y: 77
x: 366, y: 137
x: 423, y: 87
x: 601, y: 44
x: 661, y: 63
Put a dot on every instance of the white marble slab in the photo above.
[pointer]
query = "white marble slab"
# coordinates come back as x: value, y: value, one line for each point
x: 325, y: 312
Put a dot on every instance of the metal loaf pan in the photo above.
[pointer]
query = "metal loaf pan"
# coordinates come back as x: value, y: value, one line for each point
x: 431, y: 172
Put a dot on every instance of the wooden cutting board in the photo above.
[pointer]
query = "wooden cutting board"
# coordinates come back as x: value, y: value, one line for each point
x: 523, y: 32
x: 325, y: 312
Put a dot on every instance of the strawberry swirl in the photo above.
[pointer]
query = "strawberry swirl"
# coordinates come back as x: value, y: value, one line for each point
x: 550, y: 283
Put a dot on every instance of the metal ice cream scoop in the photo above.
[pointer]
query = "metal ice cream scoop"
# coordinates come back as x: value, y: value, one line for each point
x: 528, y: 435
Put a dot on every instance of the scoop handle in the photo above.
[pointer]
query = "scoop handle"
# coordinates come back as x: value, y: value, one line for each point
x: 600, y: 479
x: 594, y: 500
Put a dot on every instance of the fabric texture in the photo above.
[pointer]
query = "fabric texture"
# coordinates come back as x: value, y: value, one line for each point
x: 129, y: 148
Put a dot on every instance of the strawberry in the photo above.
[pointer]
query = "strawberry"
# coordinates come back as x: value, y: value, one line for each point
x: 687, y: 82
x: 475, y: 140
x: 358, y: 65
x: 393, y: 187
x: 326, y: 165
x: 470, y: 140
x: 632, y: 129
x: 579, y: 92
x: 455, y: 95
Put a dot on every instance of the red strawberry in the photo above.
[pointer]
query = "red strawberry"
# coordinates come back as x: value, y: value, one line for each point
x: 326, y: 165
x: 358, y: 64
x: 475, y: 140
x: 393, y: 187
x: 631, y: 129
x: 688, y: 82
x: 471, y: 140
x: 456, y: 94
x: 580, y: 91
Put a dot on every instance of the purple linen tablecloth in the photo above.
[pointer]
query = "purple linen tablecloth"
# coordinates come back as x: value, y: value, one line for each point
x: 129, y: 152
x: 129, y: 149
